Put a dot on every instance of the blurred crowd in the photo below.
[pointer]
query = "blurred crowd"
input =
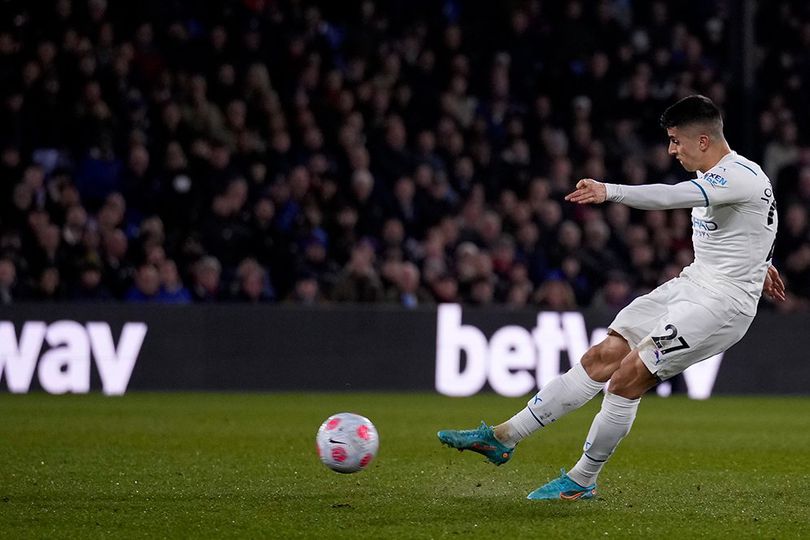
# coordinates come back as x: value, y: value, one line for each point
x: 404, y: 152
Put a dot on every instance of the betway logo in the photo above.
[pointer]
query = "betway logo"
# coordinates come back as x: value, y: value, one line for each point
x: 65, y: 366
x: 510, y: 356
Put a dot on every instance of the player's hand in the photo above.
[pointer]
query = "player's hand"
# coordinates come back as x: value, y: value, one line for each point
x: 588, y: 191
x: 774, y: 287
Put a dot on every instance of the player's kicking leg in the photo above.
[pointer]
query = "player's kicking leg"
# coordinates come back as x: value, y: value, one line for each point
x: 564, y: 394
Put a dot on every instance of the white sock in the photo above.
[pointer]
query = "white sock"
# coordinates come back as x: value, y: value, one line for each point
x: 609, y: 427
x: 566, y: 393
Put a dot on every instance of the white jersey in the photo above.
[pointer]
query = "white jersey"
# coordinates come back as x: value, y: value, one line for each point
x: 734, y: 223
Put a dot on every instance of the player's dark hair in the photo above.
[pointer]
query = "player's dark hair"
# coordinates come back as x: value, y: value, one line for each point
x: 694, y: 109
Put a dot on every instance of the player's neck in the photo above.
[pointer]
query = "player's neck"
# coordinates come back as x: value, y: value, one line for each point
x: 714, y: 156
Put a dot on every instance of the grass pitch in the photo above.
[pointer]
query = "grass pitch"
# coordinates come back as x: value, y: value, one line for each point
x: 214, y: 465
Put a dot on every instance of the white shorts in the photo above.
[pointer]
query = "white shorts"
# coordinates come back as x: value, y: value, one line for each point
x: 679, y: 324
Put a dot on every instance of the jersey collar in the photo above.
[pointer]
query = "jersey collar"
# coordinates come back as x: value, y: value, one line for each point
x: 732, y: 155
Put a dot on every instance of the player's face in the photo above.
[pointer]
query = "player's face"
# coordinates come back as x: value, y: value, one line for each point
x: 684, y: 145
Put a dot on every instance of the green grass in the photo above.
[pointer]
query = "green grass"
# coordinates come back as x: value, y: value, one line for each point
x: 212, y: 465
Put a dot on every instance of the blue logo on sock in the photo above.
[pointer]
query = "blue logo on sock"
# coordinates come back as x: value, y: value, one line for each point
x: 537, y: 399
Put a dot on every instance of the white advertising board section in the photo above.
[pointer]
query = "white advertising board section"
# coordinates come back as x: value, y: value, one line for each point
x: 115, y: 348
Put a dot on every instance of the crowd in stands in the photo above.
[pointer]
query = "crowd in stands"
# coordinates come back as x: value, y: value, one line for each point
x: 410, y: 152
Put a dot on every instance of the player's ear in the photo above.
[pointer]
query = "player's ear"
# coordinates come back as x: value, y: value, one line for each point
x: 703, y: 142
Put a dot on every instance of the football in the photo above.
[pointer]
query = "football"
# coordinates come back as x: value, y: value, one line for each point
x: 347, y: 442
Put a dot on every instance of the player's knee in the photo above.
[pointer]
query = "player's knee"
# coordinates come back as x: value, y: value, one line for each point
x: 592, y: 362
x: 602, y: 360
x: 632, y: 379
x: 624, y: 386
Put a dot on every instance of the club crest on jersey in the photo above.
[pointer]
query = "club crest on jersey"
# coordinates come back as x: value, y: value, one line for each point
x: 715, y: 179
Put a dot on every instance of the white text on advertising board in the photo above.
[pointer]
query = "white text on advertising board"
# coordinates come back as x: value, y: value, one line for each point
x: 65, y: 366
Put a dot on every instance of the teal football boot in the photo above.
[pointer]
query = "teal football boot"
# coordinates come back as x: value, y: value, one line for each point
x: 563, y: 488
x: 481, y: 440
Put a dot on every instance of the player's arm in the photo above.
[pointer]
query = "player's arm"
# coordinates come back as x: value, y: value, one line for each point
x: 647, y: 197
x: 774, y: 287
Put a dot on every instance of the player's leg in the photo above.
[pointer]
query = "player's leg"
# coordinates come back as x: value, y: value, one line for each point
x: 609, y: 427
x: 614, y: 420
x: 562, y: 395
x: 687, y: 333
x: 567, y: 392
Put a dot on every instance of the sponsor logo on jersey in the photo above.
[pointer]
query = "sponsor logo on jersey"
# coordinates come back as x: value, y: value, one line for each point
x: 703, y: 225
x: 715, y: 179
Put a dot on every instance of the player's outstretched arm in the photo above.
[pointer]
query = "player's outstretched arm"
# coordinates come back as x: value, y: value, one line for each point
x: 588, y: 191
x: 647, y: 197
x: 774, y: 287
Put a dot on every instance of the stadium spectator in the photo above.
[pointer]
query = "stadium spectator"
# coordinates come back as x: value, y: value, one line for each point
x: 146, y: 286
x: 206, y: 276
x: 49, y: 285
x: 8, y: 282
x: 359, y: 281
x: 616, y: 293
x: 407, y: 291
x: 556, y: 294
x: 172, y: 290
x: 445, y: 288
x: 252, y: 284
x: 306, y: 290
x: 89, y: 286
